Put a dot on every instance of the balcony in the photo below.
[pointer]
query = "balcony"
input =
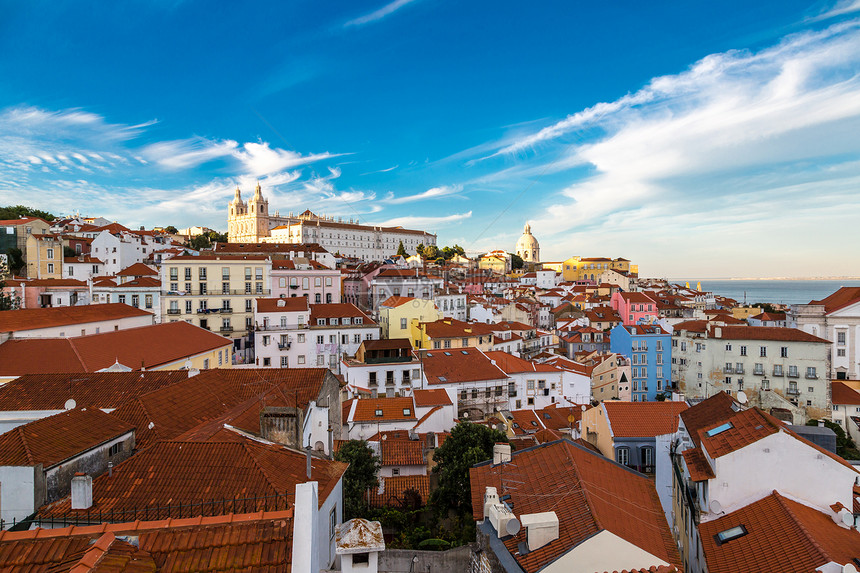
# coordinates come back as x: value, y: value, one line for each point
x: 227, y: 310
x: 793, y: 392
x: 793, y: 374
x: 728, y: 370
x: 777, y: 372
x: 226, y: 329
x: 219, y: 292
x: 284, y: 346
x: 759, y: 371
x: 173, y: 311
x: 811, y: 376
x: 739, y: 370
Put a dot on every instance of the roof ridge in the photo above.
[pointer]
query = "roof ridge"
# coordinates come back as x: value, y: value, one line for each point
x: 245, y: 445
x: 25, y: 444
x: 93, y: 555
x: 809, y: 537
x: 70, y: 342
x: 586, y: 496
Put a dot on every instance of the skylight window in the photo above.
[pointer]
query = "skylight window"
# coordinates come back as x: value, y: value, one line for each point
x: 464, y: 352
x: 379, y: 412
x: 447, y: 354
x: 407, y: 412
x: 729, y: 534
x: 719, y: 429
x: 442, y: 379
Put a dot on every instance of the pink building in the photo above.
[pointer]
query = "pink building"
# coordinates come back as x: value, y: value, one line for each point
x: 302, y: 277
x: 634, y: 308
x: 46, y: 293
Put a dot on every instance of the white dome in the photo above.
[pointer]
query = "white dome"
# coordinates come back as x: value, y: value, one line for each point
x: 528, y: 247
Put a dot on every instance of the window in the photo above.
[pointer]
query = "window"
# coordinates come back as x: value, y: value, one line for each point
x: 50, y: 253
x: 777, y: 369
x: 403, y: 322
x: 763, y: 351
x: 201, y: 272
x: 135, y: 300
x: 530, y: 401
x: 622, y: 456
x: 206, y: 364
x: 840, y: 352
x: 320, y: 360
x: 71, y: 271
x: 728, y: 347
x: 115, y: 449
x: 148, y: 301
x: 810, y: 389
x: 320, y: 339
x: 332, y: 522
x: 305, y: 283
x: 187, y: 307
x: 719, y: 429
x: 121, y: 298
x: 301, y: 359
x: 647, y: 456
x: 50, y: 267
x: 840, y: 338
x: 285, y: 361
x: 743, y: 350
x: 811, y: 373
x: 267, y: 361
x: 783, y: 352
x: 174, y: 274
x: 765, y: 384
x: 729, y: 534
x: 300, y: 337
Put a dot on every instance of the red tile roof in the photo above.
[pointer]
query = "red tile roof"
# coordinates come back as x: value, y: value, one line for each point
x: 401, y: 452
x: 698, y: 466
x: 259, y: 542
x: 782, y: 535
x: 338, y: 310
x: 748, y: 427
x: 98, y: 390
x: 285, y: 304
x: 557, y: 417
x: 170, y: 412
x: 395, y: 301
x: 691, y: 326
x: 267, y: 247
x: 459, y: 365
x: 776, y: 333
x: 434, y: 397
x: 841, y: 298
x: 137, y: 270
x: 842, y: 393
x: 392, y: 409
x: 33, y: 318
x: 52, y: 440
x: 510, y: 364
x: 21, y: 221
x: 636, y: 297
x: 643, y: 419
x: 588, y: 493
x: 453, y: 328
x: 83, y: 259
x: 173, y: 472
x: 525, y: 422
x: 142, y: 282
x: 394, y: 491
x: 708, y: 413
x: 141, y: 347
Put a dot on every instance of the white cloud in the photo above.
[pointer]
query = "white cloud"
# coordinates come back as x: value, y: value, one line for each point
x: 841, y: 8
x: 434, y: 193
x: 260, y: 159
x: 187, y: 153
x: 378, y: 14
x: 418, y: 222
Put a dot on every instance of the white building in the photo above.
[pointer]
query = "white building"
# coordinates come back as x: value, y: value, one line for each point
x: 382, y: 367
x: 290, y: 333
x: 82, y: 267
x: 836, y: 318
x: 774, y: 367
x: 120, y: 249
x: 452, y: 304
x: 402, y: 282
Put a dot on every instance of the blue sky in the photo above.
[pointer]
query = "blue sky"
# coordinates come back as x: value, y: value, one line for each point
x: 698, y: 139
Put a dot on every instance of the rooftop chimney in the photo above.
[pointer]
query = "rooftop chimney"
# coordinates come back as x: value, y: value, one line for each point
x: 82, y: 491
x: 308, y: 457
x: 541, y: 528
x: 306, y: 555
x: 501, y: 453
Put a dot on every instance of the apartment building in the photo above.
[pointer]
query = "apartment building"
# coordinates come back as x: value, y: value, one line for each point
x: 308, y: 278
x: 402, y: 282
x: 649, y: 350
x: 215, y: 292
x: 836, y: 318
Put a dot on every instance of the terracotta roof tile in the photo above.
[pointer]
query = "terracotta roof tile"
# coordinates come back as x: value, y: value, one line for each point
x: 434, y: 397
x: 286, y: 304
x: 459, y: 365
x: 588, y: 493
x: 698, y: 466
x: 707, y: 413
x: 384, y: 410
x: 33, y: 318
x: 510, y: 364
x: 401, y: 452
x: 143, y: 346
x: 259, y: 542
x: 453, y: 328
x: 338, y: 310
x: 394, y: 491
x: 763, y: 333
x: 52, y: 440
x: 841, y: 298
x: 395, y: 301
x: 781, y: 535
x: 844, y: 394
x: 137, y: 270
x: 643, y: 419
x: 172, y: 472
x: 746, y: 427
x: 96, y: 390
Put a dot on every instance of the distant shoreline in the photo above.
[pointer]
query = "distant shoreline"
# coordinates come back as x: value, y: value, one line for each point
x: 769, y: 279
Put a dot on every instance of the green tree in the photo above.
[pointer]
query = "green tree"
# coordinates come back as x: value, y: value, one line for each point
x: 69, y: 252
x: 8, y: 300
x: 199, y: 242
x: 845, y: 447
x: 420, y: 249
x: 359, y: 477
x: 516, y: 261
x: 401, y: 250
x: 431, y: 252
x: 216, y: 237
x: 16, y: 260
x: 18, y: 211
x: 468, y: 445
x: 171, y: 229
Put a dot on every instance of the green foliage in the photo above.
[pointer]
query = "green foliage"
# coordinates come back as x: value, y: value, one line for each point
x: 431, y: 252
x: 359, y: 477
x: 516, y: 261
x: 420, y: 249
x: 69, y: 252
x: 766, y: 307
x: 845, y: 447
x: 401, y: 250
x: 171, y: 229
x: 16, y: 260
x: 468, y: 445
x: 449, y: 253
x: 18, y: 211
x: 216, y: 237
x: 8, y: 300
x: 199, y: 242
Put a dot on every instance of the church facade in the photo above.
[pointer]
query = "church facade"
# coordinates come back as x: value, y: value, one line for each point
x: 252, y: 222
x: 528, y: 247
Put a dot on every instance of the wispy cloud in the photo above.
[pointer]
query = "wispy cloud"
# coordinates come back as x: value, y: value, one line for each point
x: 841, y: 8
x: 418, y: 222
x: 379, y: 14
x: 187, y: 153
x: 434, y: 193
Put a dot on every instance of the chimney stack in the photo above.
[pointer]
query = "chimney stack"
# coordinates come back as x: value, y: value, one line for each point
x: 82, y: 491
x: 306, y: 553
x: 501, y: 453
x: 308, y: 457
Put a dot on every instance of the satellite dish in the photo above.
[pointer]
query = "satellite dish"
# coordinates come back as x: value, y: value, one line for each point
x: 716, y: 506
x: 70, y: 404
x: 151, y: 425
x: 512, y: 527
x: 742, y: 397
x: 848, y: 518
x: 583, y: 407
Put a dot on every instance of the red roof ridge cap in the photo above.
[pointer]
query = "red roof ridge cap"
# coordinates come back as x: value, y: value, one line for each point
x: 21, y: 435
x: 246, y: 447
x: 71, y: 343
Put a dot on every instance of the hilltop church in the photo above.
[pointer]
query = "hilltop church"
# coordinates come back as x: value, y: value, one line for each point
x: 252, y: 222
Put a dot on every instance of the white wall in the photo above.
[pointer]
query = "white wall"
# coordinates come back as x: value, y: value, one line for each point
x: 316, y: 427
x: 94, y: 327
x: 17, y: 493
x: 604, y: 551
x: 663, y: 473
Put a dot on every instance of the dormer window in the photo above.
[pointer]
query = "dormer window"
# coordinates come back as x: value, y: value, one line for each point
x: 333, y: 321
x: 378, y: 413
x: 320, y: 322
x: 358, y: 320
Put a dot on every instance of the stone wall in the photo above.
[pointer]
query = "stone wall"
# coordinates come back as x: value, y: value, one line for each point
x: 401, y: 560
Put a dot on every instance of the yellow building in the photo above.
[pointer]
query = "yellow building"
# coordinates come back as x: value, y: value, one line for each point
x: 590, y: 268
x: 496, y: 261
x: 451, y: 333
x: 248, y: 223
x: 215, y: 292
x: 397, y: 314
x: 44, y: 256
x: 745, y: 312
